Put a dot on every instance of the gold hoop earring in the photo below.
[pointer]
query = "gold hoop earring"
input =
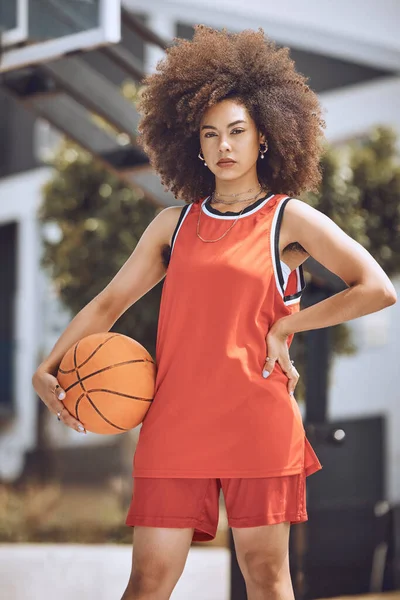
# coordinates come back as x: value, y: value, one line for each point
x: 202, y: 158
x: 262, y: 152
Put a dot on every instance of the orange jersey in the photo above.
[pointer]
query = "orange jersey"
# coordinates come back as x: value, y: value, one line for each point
x: 213, y: 414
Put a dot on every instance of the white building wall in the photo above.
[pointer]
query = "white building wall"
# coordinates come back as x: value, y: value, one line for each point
x: 354, y: 109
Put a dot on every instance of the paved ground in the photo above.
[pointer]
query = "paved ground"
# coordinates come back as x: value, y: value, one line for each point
x: 78, y: 572
x: 65, y: 572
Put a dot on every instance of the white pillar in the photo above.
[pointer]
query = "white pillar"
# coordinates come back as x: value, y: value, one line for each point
x: 21, y: 197
x: 165, y: 26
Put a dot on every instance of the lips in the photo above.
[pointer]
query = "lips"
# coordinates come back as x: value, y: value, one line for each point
x: 225, y: 161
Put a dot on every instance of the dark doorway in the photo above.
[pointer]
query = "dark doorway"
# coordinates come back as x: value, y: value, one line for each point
x: 8, y: 270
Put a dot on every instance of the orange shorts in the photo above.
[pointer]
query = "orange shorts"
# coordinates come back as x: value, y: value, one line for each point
x: 171, y: 502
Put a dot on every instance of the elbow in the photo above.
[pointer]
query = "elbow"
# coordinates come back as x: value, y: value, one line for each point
x: 390, y: 296
x: 381, y: 295
x: 387, y: 295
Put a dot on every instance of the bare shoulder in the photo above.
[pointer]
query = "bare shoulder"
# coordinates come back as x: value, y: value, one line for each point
x: 299, y: 217
x: 166, y: 221
x: 172, y: 214
x: 299, y: 208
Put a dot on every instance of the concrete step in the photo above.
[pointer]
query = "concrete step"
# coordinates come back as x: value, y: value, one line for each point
x: 90, y: 572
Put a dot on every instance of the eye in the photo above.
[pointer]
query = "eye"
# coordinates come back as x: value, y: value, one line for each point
x: 209, y: 134
x: 238, y: 130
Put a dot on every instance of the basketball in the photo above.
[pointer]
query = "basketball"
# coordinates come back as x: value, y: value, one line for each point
x: 109, y: 381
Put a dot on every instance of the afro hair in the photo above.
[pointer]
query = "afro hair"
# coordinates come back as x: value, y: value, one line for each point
x: 250, y: 69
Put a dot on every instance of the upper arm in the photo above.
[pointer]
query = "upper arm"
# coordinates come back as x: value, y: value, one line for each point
x: 144, y: 268
x: 331, y: 246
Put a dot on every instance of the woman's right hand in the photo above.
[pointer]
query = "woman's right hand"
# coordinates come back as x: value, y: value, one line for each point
x: 49, y: 391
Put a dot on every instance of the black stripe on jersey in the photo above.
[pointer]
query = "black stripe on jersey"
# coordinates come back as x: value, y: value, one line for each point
x: 278, y: 259
x: 166, y: 250
x: 183, y: 213
x: 302, y: 286
x: 276, y: 246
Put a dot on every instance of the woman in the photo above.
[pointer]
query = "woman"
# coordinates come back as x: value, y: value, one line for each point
x: 235, y: 132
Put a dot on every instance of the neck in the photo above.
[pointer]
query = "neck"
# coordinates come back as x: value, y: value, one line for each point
x: 240, y: 186
x: 239, y: 205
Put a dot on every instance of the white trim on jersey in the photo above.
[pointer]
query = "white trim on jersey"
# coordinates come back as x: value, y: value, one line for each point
x: 245, y: 214
x: 285, y: 272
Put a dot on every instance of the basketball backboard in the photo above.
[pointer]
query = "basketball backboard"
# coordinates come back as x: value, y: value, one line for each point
x: 37, y: 31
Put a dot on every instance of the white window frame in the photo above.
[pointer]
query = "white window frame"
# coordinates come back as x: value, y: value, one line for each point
x: 108, y: 32
x: 19, y: 34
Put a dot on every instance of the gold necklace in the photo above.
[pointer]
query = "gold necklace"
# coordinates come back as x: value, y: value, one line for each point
x: 229, y: 203
x: 227, y: 231
x: 238, y: 194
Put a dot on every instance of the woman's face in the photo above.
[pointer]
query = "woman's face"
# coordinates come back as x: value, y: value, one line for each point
x: 228, y: 132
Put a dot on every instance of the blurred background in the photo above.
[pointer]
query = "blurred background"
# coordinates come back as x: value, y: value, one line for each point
x: 76, y: 193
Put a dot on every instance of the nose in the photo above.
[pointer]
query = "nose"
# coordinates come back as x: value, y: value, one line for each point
x: 224, y: 146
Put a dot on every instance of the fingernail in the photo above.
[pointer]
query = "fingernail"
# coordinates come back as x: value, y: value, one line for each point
x: 61, y: 395
x: 81, y: 428
x: 265, y: 374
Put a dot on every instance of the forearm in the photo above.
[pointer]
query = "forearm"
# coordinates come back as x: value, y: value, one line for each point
x: 93, y: 318
x: 351, y: 303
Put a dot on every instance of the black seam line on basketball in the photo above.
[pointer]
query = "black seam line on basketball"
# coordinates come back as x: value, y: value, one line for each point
x: 120, y: 394
x: 93, y: 353
x: 127, y: 362
x: 84, y: 395
x: 102, y: 416
x: 77, y: 404
x: 76, y: 368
